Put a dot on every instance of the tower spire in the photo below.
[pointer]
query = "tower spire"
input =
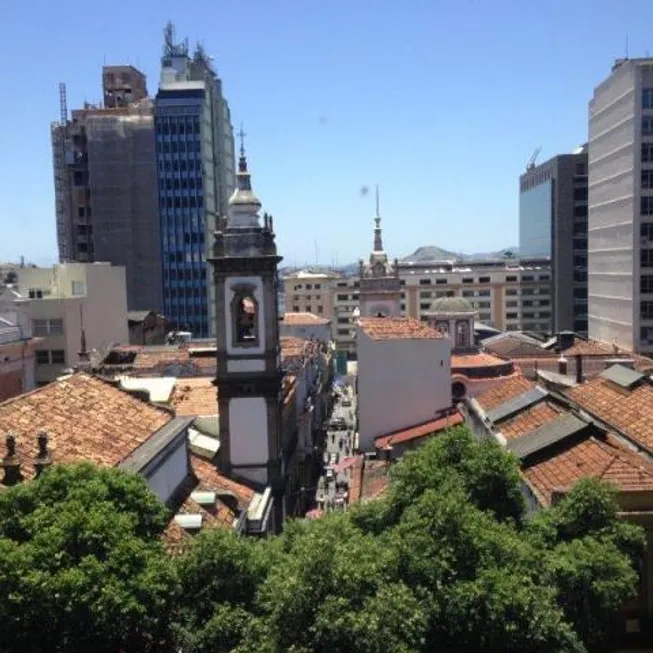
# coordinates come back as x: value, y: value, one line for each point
x: 244, y: 205
x: 378, y: 240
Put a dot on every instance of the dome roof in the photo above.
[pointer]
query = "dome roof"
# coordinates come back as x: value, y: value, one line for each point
x: 451, y: 305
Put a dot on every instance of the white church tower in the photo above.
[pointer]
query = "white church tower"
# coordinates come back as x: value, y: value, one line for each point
x: 248, y: 355
x: 380, y: 287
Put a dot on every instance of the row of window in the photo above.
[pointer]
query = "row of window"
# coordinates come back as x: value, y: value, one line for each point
x: 309, y: 309
x: 47, y: 327
x: 647, y: 98
x: 191, y: 125
x: 167, y: 165
x: 184, y: 202
x: 180, y: 183
x: 50, y: 357
x: 176, y: 147
x: 647, y: 126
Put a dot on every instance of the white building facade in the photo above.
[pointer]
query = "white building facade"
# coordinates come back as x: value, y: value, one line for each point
x: 404, y: 376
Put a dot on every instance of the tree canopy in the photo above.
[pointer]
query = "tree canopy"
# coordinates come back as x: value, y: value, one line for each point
x: 446, y: 560
x: 81, y: 564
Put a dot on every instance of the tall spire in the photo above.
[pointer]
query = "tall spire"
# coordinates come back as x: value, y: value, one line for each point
x: 243, y: 197
x: 378, y: 241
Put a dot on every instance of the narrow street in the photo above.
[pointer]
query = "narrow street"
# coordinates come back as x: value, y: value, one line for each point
x: 333, y: 484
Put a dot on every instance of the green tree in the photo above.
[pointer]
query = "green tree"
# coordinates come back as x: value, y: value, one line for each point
x: 81, y: 564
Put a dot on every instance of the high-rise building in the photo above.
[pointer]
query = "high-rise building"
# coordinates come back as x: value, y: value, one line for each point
x: 195, y: 162
x: 620, y: 233
x: 553, y: 224
x: 105, y: 185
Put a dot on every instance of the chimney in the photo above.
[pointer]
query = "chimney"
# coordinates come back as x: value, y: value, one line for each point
x: 11, y: 463
x: 579, y: 368
x: 43, y: 460
x: 562, y: 365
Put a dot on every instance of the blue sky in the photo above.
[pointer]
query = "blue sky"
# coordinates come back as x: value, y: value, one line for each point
x: 440, y: 103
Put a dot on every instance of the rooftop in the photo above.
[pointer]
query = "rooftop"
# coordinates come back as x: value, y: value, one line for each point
x: 420, y: 431
x: 504, y: 390
x: 602, y: 458
x: 629, y: 410
x: 530, y: 419
x: 477, y: 359
x: 303, y: 319
x: 397, y: 328
x: 369, y: 479
x: 195, y: 396
x: 85, y: 419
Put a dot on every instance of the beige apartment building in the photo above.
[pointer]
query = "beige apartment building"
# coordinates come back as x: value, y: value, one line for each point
x: 508, y: 295
x: 67, y: 298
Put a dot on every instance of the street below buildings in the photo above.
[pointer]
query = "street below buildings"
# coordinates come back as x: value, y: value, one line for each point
x: 333, y: 484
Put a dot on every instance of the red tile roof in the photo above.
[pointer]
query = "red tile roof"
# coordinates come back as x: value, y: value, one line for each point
x: 85, y: 418
x: 205, y: 477
x: 195, y: 396
x: 593, y: 457
x: 628, y: 411
x: 504, y: 390
x: 529, y: 420
x: 419, y: 431
x: 369, y: 480
x: 303, y: 319
x: 480, y: 359
x: 397, y: 328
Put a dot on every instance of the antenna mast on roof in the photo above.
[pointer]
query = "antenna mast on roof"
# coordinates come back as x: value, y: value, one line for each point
x: 63, y: 104
x: 531, y: 162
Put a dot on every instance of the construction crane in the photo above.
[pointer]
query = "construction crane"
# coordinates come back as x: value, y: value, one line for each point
x: 531, y: 162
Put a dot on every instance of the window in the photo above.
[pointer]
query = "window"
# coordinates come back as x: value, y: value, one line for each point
x: 450, y: 293
x: 309, y: 286
x: 580, y: 169
x: 79, y: 178
x: 343, y: 320
x: 580, y: 194
x: 40, y: 327
x: 318, y: 286
x: 484, y: 279
x: 78, y: 288
x: 512, y: 304
x: 645, y: 283
x: 462, y: 333
x: 44, y: 327
x: 425, y: 294
x: 580, y: 211
x: 57, y: 356
x: 543, y: 277
x: 468, y: 280
x: 646, y: 258
x: 511, y: 279
x: 483, y: 293
x: 424, y: 282
x: 343, y: 332
x: 35, y: 293
x: 424, y: 306
x: 646, y: 205
x: 244, y: 311
x: 440, y: 281
x: 468, y: 293
x: 42, y: 357
x: 343, y: 298
x: 647, y: 179
x: 512, y: 316
x: 647, y: 152
x: 646, y: 230
x: 320, y: 309
x: 309, y: 309
x: 81, y: 212
x: 528, y: 277
x: 647, y: 98
x: 295, y: 309
x: 646, y: 309
x: 647, y: 126
x: 483, y: 305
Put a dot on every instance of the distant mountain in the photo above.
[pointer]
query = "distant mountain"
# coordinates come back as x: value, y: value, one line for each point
x: 434, y: 253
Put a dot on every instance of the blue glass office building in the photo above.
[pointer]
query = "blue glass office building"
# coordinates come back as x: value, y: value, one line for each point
x: 195, y: 164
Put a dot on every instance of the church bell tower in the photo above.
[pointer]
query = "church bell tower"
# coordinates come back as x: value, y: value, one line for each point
x: 248, y: 355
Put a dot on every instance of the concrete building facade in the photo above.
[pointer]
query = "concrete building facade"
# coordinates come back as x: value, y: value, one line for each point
x: 68, y: 299
x: 105, y: 185
x: 196, y: 176
x: 510, y: 295
x: 620, y: 223
x: 553, y: 224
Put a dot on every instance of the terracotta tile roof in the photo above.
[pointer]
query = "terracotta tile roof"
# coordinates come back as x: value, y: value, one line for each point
x: 512, y: 345
x: 397, y: 328
x: 368, y: 481
x: 504, y: 390
x: 205, y: 477
x: 589, y: 348
x: 303, y: 319
x: 479, y: 359
x: 85, y: 418
x: 593, y: 457
x: 195, y: 396
x: 530, y: 419
x: 629, y: 411
x: 420, y: 431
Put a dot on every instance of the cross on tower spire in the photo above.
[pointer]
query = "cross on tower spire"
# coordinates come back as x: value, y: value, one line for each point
x: 241, y: 135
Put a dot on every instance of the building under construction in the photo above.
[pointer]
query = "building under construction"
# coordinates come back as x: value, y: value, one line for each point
x: 106, y: 184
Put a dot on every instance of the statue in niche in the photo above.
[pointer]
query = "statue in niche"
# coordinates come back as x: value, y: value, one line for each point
x: 246, y: 320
